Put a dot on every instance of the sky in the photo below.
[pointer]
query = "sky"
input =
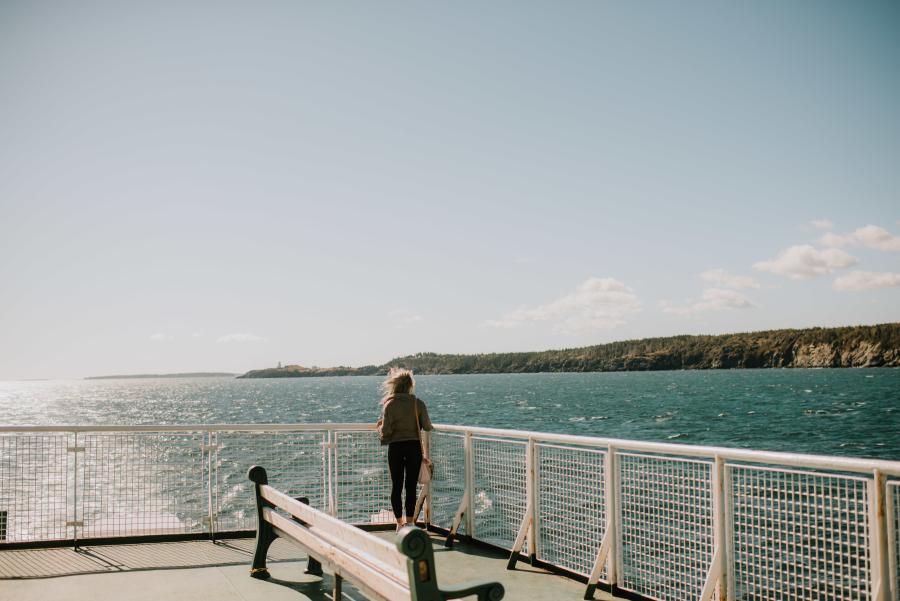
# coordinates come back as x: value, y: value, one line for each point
x: 228, y: 185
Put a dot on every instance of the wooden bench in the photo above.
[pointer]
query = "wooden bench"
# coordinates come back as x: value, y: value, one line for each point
x: 381, y: 570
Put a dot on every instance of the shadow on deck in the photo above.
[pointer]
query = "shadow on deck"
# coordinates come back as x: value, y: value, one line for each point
x: 203, y: 570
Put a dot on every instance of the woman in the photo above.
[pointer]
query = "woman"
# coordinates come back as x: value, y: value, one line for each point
x: 402, y: 416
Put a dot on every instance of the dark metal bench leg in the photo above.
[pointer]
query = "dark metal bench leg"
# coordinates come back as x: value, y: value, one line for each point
x: 338, y: 581
x: 264, y: 538
x: 312, y: 564
x: 265, y: 534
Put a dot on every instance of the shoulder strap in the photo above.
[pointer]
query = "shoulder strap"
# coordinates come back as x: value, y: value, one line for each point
x: 418, y: 425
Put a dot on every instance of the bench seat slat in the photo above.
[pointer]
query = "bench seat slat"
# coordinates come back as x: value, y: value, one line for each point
x: 336, y: 532
x: 381, y: 585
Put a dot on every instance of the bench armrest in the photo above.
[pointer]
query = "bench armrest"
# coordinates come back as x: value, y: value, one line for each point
x: 485, y: 589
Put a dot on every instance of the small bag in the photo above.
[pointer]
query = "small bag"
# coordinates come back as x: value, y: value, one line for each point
x: 426, y: 471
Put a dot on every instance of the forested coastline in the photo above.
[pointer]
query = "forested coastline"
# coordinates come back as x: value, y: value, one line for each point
x: 853, y: 346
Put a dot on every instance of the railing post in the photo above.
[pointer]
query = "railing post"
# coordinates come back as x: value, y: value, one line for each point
x: 727, y: 592
x: 527, y: 528
x: 878, y: 538
x: 533, y: 479
x: 212, y: 446
x: 470, y: 484
x: 74, y: 521
x: 426, y: 441
x: 715, y: 577
x: 607, y: 554
x: 613, y: 496
x: 331, y: 451
x: 890, y: 522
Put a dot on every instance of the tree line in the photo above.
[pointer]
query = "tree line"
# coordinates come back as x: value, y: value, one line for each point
x: 853, y: 346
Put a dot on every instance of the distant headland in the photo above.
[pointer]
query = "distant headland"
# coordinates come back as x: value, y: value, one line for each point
x: 853, y: 346
x: 193, y: 374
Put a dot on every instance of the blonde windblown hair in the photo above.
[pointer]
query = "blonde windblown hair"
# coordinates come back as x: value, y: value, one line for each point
x: 398, y: 381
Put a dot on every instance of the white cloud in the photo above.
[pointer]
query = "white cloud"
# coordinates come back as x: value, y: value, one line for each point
x: 597, y: 303
x: 712, y: 299
x: 834, y: 240
x: 877, y: 237
x: 866, y: 280
x: 161, y: 337
x: 720, y: 277
x: 240, y: 338
x: 804, y: 261
x: 822, y: 224
x: 870, y: 236
x: 404, y: 319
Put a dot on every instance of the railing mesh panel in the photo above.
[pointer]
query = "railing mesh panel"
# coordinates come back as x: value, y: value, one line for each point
x: 571, y: 506
x: 499, y: 494
x: 139, y: 483
x: 799, y: 535
x: 666, y: 527
x: 796, y: 534
x: 295, y: 463
x: 449, y: 482
x: 362, y: 480
x: 34, y: 487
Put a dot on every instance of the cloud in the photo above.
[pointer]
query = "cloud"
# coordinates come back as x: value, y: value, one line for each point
x: 866, y: 280
x: 596, y: 304
x: 161, y: 337
x: 720, y: 277
x: 240, y: 338
x: 404, y: 319
x: 804, y: 262
x: 834, y: 240
x: 870, y: 236
x: 822, y: 224
x: 712, y: 299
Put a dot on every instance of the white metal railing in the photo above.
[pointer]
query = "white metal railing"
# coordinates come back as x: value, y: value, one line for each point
x: 665, y: 521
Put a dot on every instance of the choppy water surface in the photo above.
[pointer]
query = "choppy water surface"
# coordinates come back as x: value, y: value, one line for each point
x: 844, y: 412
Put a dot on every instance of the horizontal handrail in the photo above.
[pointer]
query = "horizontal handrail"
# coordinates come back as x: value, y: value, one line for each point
x: 828, y: 462
x: 193, y: 428
x: 850, y: 464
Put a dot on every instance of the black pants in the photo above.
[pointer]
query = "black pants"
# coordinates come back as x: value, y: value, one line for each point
x: 404, y: 461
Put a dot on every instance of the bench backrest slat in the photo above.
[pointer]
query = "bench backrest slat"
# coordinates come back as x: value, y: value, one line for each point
x: 374, y: 582
x: 339, y: 533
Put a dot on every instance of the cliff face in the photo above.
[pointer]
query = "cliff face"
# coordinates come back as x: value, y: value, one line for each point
x: 862, y: 354
x: 857, y: 353
x: 857, y: 346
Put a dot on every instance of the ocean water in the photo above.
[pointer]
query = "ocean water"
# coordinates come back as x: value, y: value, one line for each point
x: 854, y: 412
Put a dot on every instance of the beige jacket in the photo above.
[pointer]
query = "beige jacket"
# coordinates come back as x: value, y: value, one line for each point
x: 399, y: 417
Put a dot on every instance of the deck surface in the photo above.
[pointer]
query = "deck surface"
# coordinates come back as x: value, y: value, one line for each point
x: 206, y: 571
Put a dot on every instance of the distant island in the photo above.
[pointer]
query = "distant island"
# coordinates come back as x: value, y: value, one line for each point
x: 193, y: 374
x: 854, y: 346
